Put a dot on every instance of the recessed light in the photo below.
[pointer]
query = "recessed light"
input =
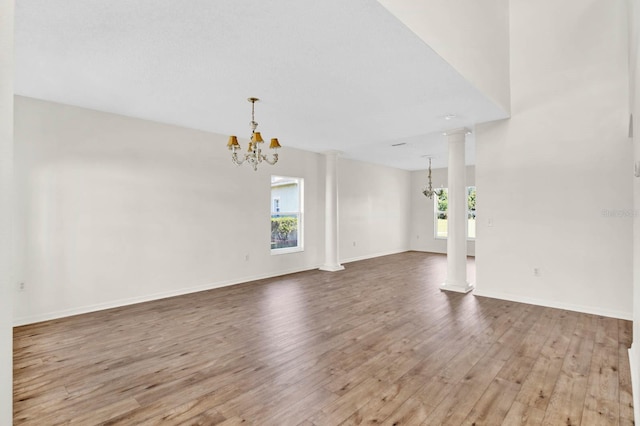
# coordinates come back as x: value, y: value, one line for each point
x: 449, y: 116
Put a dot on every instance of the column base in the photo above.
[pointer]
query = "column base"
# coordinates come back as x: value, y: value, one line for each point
x: 331, y: 268
x: 458, y: 287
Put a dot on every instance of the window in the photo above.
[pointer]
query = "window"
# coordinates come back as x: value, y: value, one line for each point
x: 441, y: 204
x: 286, y: 214
x: 471, y: 212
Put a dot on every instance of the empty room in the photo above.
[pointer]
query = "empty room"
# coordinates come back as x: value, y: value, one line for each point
x: 319, y: 213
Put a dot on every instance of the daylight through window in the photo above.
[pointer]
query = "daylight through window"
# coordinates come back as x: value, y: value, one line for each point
x: 441, y: 204
x: 286, y: 214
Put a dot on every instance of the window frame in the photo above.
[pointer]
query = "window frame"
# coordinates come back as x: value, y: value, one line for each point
x: 299, y: 214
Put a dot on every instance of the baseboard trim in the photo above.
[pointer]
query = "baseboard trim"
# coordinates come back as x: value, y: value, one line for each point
x: 438, y: 252
x: 151, y: 297
x: 331, y: 268
x: 558, y: 305
x: 463, y: 287
x: 635, y: 386
x: 374, y: 255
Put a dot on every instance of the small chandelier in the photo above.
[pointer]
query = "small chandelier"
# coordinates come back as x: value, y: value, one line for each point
x: 428, y: 191
x: 254, y: 155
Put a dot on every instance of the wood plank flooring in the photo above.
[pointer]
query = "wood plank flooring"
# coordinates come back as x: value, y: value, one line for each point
x: 377, y: 343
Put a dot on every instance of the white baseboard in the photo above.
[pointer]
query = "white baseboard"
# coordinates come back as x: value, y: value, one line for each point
x: 461, y: 287
x: 371, y: 256
x: 438, y: 252
x: 331, y: 268
x: 149, y: 297
x: 635, y: 386
x: 559, y: 305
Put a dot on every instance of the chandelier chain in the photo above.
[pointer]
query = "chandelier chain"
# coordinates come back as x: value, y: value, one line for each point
x: 428, y: 191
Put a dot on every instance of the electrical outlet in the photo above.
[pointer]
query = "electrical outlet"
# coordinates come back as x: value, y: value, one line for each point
x: 354, y: 243
x: 246, y: 257
x: 536, y: 272
x: 21, y: 286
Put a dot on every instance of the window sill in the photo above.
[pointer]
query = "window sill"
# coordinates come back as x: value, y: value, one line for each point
x: 275, y: 252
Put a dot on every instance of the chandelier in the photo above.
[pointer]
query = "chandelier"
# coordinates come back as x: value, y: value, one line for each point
x: 254, y: 155
x: 428, y: 191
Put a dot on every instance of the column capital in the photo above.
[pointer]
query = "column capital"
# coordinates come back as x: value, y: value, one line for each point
x: 462, y: 131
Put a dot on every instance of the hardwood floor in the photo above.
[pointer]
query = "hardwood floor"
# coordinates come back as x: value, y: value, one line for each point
x: 377, y: 343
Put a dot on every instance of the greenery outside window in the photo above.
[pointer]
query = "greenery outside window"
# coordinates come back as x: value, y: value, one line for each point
x: 286, y: 214
x: 441, y: 204
x: 471, y: 212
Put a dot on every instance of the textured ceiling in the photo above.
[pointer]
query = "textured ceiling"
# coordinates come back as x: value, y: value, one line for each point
x: 332, y: 74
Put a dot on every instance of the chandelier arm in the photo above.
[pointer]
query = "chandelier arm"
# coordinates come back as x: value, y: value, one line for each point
x: 249, y: 158
x: 273, y: 160
x: 237, y: 161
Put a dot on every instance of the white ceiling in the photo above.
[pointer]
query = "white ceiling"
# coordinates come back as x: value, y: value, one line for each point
x: 332, y: 74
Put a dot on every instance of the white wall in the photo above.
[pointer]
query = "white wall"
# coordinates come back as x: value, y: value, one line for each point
x: 634, y: 107
x: 118, y: 210
x: 422, y: 237
x: 373, y: 210
x: 473, y: 36
x: 6, y: 210
x: 549, y: 176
